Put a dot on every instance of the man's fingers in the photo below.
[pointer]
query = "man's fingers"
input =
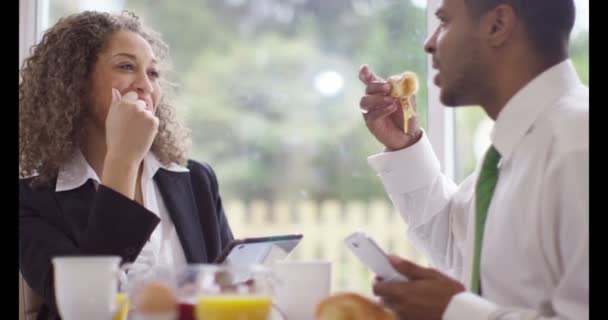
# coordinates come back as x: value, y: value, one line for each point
x: 411, y: 270
x: 378, y: 87
x: 391, y: 303
x: 380, y: 113
x: 391, y: 290
x: 370, y: 103
x: 366, y: 76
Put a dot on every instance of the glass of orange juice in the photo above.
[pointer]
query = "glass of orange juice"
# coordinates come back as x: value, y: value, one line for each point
x: 231, y: 293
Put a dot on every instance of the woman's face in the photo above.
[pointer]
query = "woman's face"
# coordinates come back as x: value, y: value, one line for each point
x: 127, y: 64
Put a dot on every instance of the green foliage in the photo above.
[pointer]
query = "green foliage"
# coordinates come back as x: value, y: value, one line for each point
x: 579, y: 53
x: 246, y: 75
x: 248, y: 94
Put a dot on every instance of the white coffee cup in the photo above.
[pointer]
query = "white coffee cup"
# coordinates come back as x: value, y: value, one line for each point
x: 301, y: 285
x: 86, y: 287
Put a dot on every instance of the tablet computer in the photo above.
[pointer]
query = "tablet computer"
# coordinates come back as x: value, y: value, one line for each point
x: 259, y: 250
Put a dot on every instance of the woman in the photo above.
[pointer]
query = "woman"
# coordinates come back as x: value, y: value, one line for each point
x: 105, y: 160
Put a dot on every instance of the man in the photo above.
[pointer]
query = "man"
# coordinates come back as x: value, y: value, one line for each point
x: 514, y: 233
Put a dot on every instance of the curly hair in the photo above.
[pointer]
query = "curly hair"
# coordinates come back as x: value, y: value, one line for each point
x: 54, y: 108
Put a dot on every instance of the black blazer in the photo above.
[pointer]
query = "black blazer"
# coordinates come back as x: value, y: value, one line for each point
x: 85, y: 221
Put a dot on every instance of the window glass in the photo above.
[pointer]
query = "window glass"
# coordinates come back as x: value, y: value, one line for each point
x: 271, y: 93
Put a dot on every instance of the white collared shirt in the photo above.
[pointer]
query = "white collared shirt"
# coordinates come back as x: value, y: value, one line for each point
x: 163, y: 249
x: 535, y: 252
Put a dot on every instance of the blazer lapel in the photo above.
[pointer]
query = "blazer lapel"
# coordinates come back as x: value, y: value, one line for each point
x: 176, y: 190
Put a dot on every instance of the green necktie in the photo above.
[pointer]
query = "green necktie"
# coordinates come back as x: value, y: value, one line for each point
x: 483, y: 195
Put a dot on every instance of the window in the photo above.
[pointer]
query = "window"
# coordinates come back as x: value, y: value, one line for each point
x: 271, y: 93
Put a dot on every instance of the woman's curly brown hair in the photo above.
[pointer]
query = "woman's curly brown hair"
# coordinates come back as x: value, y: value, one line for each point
x: 53, y: 93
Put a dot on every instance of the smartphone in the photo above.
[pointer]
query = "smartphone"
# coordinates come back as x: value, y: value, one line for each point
x: 373, y: 257
x: 259, y: 250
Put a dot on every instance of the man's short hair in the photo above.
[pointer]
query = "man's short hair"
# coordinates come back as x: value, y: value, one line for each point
x: 548, y: 22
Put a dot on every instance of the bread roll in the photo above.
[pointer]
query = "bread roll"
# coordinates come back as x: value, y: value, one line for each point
x: 351, y: 306
x: 155, y: 297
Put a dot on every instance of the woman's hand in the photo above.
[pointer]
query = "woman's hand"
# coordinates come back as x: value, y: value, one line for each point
x: 130, y: 131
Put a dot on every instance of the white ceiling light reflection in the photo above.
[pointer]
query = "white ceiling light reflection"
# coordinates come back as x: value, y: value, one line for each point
x: 329, y: 83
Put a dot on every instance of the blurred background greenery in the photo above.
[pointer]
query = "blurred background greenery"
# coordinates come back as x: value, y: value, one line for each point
x: 270, y: 89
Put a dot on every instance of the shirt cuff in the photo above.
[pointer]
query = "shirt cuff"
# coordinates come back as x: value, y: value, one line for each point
x: 407, y: 169
x: 467, y: 305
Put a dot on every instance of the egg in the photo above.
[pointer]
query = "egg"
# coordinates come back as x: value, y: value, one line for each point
x: 155, y: 297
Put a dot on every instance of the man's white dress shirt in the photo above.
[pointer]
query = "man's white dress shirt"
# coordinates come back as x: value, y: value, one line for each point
x: 164, y: 249
x: 535, y: 251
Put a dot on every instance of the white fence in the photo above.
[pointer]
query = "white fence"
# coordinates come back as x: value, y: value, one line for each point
x: 324, y: 226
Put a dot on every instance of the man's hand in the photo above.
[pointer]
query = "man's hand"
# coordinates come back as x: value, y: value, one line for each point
x: 383, y: 115
x: 424, y: 297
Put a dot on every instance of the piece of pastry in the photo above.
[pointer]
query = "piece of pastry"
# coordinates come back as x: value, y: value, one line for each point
x: 403, y: 86
x: 351, y: 306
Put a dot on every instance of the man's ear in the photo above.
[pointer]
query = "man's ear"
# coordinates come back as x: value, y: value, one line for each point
x: 498, y: 25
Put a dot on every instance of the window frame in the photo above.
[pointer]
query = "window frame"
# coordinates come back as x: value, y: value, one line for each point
x: 31, y: 33
x: 441, y: 120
